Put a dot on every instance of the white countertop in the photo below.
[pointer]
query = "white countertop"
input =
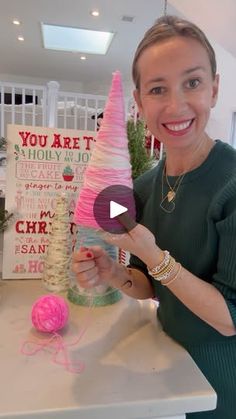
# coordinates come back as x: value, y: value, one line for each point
x: 132, y: 369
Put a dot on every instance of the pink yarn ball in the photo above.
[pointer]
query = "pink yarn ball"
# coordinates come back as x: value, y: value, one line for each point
x: 49, y: 313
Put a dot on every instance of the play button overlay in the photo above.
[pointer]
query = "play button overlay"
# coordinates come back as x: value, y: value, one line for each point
x: 114, y: 209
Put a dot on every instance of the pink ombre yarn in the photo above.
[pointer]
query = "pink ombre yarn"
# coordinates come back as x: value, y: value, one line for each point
x: 110, y: 160
x: 49, y: 313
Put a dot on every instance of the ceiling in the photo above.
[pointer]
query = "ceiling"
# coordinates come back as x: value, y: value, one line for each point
x: 29, y: 59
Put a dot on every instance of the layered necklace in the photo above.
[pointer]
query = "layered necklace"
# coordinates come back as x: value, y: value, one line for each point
x: 168, y: 201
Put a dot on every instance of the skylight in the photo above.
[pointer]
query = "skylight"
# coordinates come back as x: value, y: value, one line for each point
x: 63, y: 38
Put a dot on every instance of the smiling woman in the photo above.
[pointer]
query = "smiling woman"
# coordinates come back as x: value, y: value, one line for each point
x: 183, y: 250
x: 176, y: 105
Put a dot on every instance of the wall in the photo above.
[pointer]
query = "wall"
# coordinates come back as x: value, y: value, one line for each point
x: 65, y: 85
x: 219, y: 125
x: 103, y: 89
x: 217, y: 19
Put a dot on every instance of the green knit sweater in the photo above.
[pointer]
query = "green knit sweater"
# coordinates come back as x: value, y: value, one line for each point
x: 201, y: 234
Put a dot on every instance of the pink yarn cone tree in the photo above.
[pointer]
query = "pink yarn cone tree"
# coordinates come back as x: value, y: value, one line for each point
x: 109, y: 166
x: 110, y: 160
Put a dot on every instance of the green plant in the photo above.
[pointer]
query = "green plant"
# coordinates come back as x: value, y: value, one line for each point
x: 139, y: 159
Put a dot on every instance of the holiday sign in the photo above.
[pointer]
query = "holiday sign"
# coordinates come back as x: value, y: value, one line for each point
x: 41, y: 164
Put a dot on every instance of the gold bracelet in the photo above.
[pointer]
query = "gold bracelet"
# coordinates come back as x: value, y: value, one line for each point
x: 165, y: 272
x: 167, y: 268
x: 165, y: 261
x: 174, y: 278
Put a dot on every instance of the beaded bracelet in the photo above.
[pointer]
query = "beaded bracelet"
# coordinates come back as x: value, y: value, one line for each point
x: 162, y: 265
x: 165, y: 272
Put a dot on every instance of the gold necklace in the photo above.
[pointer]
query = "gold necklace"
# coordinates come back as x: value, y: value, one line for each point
x: 167, y: 201
x: 173, y: 190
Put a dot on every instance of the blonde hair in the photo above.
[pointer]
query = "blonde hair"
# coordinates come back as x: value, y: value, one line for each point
x: 168, y: 27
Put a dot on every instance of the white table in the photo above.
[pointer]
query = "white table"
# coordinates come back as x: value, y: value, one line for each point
x: 132, y: 369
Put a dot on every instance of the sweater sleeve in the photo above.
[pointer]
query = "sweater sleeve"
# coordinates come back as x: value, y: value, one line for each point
x: 225, y: 277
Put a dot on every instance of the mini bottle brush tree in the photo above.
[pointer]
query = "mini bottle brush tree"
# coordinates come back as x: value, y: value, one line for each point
x: 4, y: 214
x: 4, y: 218
x: 3, y: 144
x: 139, y: 159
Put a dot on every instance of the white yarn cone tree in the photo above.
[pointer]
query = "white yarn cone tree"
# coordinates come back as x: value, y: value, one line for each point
x: 57, y: 261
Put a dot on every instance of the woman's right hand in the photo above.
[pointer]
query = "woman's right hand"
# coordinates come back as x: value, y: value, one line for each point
x: 92, y: 266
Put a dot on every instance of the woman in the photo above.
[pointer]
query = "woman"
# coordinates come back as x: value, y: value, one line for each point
x: 183, y: 250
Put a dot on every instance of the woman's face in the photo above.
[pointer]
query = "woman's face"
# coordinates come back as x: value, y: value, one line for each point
x: 176, y: 91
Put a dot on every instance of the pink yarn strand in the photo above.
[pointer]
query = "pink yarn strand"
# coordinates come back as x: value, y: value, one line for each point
x: 58, y: 347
